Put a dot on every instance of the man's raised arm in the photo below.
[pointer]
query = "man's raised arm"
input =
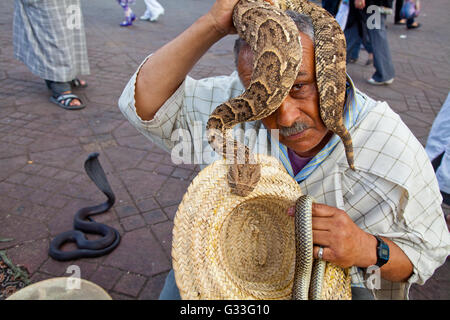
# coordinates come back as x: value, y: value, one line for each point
x: 166, y: 69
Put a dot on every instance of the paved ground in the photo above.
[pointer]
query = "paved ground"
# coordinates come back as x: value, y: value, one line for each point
x: 42, y: 147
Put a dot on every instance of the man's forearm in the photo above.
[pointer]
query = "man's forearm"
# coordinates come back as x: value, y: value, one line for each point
x: 398, y: 269
x: 166, y: 69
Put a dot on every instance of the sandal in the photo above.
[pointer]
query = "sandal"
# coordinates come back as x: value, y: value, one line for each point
x: 67, y: 98
x: 76, y: 83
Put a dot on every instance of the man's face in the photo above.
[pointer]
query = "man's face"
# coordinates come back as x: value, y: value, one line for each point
x: 297, y: 118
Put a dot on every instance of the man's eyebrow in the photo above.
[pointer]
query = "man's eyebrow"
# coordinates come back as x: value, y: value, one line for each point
x: 302, y: 74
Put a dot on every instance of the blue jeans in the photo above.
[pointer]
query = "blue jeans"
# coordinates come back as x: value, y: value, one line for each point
x: 170, y: 290
x: 354, y: 37
x: 382, y: 60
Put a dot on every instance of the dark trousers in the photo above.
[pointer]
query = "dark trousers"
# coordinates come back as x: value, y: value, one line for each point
x: 355, y: 36
x: 398, y: 7
x: 332, y: 6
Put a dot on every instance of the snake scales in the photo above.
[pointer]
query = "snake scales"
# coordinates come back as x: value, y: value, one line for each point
x: 275, y: 43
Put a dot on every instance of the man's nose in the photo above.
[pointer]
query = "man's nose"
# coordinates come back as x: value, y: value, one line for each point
x: 287, y: 113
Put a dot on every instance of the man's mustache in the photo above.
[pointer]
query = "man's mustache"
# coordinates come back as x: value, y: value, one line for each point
x: 297, y: 127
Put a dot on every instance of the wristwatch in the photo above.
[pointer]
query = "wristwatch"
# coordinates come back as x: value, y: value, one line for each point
x: 382, y: 252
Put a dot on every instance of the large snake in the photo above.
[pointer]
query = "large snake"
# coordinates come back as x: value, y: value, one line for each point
x: 274, y: 40
x: 110, y: 237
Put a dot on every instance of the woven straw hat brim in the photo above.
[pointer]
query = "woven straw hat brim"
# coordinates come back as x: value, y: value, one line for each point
x: 230, y: 247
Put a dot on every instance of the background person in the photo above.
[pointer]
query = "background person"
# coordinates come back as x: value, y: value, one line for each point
x: 153, y: 12
x: 129, y: 14
x: 49, y: 38
x: 438, y: 149
x: 382, y: 60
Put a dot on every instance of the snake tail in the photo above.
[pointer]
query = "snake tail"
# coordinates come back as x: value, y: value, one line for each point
x: 315, y: 291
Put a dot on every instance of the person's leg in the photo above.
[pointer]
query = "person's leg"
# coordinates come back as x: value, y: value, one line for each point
x: 382, y: 60
x: 59, y: 89
x: 411, y: 24
x: 368, y: 46
x: 129, y: 15
x: 353, y: 55
x: 353, y: 42
x: 170, y: 290
x: 156, y: 8
x: 148, y: 11
x: 398, y: 8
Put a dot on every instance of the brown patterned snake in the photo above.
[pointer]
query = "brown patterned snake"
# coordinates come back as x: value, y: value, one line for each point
x: 274, y: 40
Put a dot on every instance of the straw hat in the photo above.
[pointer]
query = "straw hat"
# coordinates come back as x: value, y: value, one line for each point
x: 230, y: 247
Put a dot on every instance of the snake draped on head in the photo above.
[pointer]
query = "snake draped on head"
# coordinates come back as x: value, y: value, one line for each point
x: 274, y: 40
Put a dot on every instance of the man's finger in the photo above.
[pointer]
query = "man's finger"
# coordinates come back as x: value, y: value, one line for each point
x: 291, y: 211
x: 326, y: 255
x: 322, y: 210
x: 321, y: 223
x: 321, y: 237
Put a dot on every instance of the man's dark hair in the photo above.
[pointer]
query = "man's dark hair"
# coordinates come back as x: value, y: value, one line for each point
x: 303, y: 23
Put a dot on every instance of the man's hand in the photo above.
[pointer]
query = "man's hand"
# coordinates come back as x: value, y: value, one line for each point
x: 344, y: 243
x: 360, y: 4
x: 166, y: 69
x: 221, y: 14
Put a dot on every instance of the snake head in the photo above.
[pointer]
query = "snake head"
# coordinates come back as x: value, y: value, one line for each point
x: 242, y: 178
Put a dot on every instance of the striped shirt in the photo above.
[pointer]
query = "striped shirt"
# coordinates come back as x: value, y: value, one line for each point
x: 392, y: 193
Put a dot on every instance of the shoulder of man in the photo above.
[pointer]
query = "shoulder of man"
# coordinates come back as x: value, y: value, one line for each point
x: 385, y: 146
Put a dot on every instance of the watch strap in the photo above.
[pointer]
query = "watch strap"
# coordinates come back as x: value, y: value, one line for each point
x: 382, y: 252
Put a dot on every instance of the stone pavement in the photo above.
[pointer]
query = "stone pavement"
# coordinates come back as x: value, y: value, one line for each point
x: 42, y: 147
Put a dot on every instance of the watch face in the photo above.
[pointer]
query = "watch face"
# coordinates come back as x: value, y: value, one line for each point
x: 384, y: 252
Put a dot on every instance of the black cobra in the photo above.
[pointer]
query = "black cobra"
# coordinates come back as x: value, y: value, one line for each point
x: 84, y: 224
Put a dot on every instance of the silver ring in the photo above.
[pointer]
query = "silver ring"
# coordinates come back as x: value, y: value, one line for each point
x: 320, y: 253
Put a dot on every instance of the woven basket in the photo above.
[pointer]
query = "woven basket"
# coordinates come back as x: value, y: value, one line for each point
x: 230, y: 247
